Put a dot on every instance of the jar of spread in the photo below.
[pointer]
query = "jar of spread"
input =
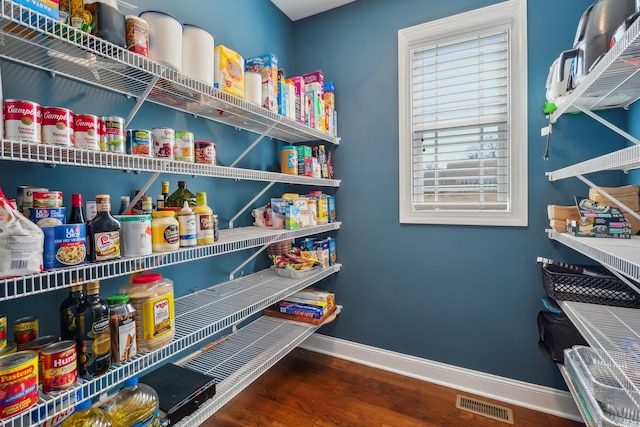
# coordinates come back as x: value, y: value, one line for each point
x: 165, y: 234
x: 122, y: 322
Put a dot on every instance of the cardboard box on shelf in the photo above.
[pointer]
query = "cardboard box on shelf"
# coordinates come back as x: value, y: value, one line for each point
x: 228, y: 71
x: 599, y: 220
x: 267, y: 66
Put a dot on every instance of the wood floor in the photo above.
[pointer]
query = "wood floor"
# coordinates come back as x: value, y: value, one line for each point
x: 308, y: 389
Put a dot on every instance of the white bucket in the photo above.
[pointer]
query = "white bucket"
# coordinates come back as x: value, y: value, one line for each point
x: 165, y: 38
x: 197, y: 54
x: 253, y: 87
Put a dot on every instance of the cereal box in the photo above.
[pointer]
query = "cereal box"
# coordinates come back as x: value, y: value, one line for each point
x: 267, y: 66
x: 298, y: 84
x: 314, y: 81
x: 228, y: 71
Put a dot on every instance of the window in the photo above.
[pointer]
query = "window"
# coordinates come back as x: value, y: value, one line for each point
x: 463, y: 118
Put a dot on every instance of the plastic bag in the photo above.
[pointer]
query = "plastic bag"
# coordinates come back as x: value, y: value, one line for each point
x: 21, y: 242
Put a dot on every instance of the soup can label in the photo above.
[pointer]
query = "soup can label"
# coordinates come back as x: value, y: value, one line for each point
x: 47, y: 199
x: 184, y: 146
x: 86, y: 131
x: 164, y: 142
x: 58, y: 366
x: 25, y: 198
x: 64, y: 245
x: 18, y: 382
x: 57, y: 126
x: 3, y: 332
x: 205, y: 152
x: 25, y: 330
x: 113, y: 135
x: 22, y: 120
x: 139, y: 142
x: 137, y: 35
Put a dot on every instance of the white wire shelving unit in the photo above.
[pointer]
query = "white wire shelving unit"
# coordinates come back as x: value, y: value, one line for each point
x: 199, y: 316
x: 578, y: 398
x: 37, y: 41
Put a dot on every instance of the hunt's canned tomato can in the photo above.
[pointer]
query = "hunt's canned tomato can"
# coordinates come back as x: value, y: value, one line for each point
x: 22, y: 120
x: 57, y: 126
x: 86, y: 130
x: 25, y: 330
x: 18, y: 382
x: 59, y: 366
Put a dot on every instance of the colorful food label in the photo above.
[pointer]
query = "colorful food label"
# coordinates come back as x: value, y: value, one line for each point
x: 107, y: 245
x: 87, y: 131
x: 25, y: 330
x: 58, y: 366
x: 22, y: 120
x: 57, y: 126
x: 18, y: 382
x: 157, y: 316
x: 64, y: 245
x: 139, y: 142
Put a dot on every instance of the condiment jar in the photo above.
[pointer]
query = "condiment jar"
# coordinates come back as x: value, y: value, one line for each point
x: 165, y: 235
x: 152, y: 297
x: 187, y: 225
x: 122, y: 322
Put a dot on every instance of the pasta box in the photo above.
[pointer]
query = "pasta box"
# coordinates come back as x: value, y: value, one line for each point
x: 45, y: 7
x: 64, y: 245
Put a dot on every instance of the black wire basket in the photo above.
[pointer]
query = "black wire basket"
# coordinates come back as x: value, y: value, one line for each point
x: 602, y: 288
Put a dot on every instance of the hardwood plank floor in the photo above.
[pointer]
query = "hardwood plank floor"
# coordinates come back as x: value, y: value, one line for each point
x: 311, y: 389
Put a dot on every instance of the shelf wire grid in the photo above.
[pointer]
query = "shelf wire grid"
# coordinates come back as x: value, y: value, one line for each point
x: 32, y: 39
x: 231, y: 240
x: 199, y: 316
x: 624, y: 160
x: 239, y: 360
x: 59, y: 155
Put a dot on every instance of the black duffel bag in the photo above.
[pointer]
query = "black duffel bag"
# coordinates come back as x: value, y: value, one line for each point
x: 556, y: 332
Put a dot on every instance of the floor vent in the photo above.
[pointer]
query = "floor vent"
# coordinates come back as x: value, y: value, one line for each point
x: 485, y: 409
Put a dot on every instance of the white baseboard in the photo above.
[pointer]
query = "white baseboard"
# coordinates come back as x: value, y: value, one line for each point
x: 539, y: 398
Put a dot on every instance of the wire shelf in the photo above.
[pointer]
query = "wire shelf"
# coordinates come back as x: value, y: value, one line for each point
x: 199, y: 316
x: 58, y: 155
x: 238, y: 361
x: 35, y: 40
x: 231, y: 240
x: 623, y: 160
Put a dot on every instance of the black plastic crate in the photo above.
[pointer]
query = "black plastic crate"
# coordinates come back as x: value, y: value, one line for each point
x: 604, y: 288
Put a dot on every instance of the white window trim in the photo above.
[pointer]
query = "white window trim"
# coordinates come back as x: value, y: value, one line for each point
x: 513, y: 12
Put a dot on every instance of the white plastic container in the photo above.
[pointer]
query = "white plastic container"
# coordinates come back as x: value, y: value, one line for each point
x: 197, y: 53
x: 165, y: 38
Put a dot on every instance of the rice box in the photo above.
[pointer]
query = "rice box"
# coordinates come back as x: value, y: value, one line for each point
x: 267, y: 66
x: 64, y: 245
x: 228, y: 73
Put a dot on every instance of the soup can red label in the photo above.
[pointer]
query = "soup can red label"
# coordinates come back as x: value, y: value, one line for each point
x: 25, y: 330
x: 18, y: 382
x: 22, y: 120
x: 57, y: 126
x: 59, y: 366
x: 205, y: 152
x: 86, y: 130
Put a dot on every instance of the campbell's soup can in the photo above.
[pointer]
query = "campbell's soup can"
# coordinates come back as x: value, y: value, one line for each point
x: 58, y: 366
x: 164, y: 142
x: 86, y: 131
x: 25, y: 330
x: 184, y: 146
x: 139, y: 142
x: 22, y: 120
x: 113, y: 135
x: 18, y: 382
x: 57, y: 126
x: 137, y: 35
x: 205, y: 152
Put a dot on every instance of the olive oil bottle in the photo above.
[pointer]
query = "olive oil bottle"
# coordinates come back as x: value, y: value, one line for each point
x: 93, y: 333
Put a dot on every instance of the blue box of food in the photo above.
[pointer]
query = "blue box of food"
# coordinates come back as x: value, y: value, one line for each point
x: 64, y: 245
x: 48, y: 8
x: 45, y: 217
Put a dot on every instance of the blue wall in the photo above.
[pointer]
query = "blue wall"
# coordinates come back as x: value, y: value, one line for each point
x: 466, y: 296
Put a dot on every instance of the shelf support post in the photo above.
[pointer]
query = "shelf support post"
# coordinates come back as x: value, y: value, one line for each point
x: 245, y: 262
x: 141, y: 100
x: 253, y: 144
x: 611, y: 126
x: 251, y: 202
x: 608, y: 196
x: 142, y: 191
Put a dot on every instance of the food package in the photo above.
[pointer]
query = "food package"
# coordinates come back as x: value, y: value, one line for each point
x: 267, y: 66
x: 228, y: 71
x: 21, y: 242
x: 599, y: 220
x: 627, y: 195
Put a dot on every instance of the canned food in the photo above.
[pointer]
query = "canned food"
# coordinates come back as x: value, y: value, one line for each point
x: 46, y: 217
x: 184, y: 146
x: 25, y: 198
x: 3, y: 332
x: 113, y: 135
x: 10, y: 348
x: 205, y: 152
x: 64, y: 245
x: 22, y: 120
x: 58, y: 366
x: 137, y: 35
x: 164, y: 141
x: 18, y: 382
x: 47, y: 199
x: 37, y: 345
x: 87, y: 131
x: 25, y: 330
x: 139, y: 142
x: 57, y: 126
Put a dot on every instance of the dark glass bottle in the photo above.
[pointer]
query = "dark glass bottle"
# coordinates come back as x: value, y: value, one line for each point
x: 93, y: 333
x: 103, y: 232
x: 68, y: 312
x: 178, y: 197
x: 76, y: 216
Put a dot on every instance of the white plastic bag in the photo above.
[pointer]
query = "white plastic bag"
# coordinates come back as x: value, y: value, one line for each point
x: 21, y: 242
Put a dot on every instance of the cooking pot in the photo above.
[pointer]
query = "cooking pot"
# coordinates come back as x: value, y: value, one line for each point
x: 595, y: 29
x: 557, y: 82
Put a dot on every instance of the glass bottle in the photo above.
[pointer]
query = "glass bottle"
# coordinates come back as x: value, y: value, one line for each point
x: 103, y: 232
x: 68, y: 312
x: 85, y: 415
x: 177, y: 198
x: 123, y: 328
x: 204, y: 220
x: 76, y: 216
x: 165, y: 190
x: 135, y: 404
x: 93, y: 333
x: 322, y: 159
x: 124, y: 203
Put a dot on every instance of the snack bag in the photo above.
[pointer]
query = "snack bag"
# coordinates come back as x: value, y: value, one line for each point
x: 21, y: 242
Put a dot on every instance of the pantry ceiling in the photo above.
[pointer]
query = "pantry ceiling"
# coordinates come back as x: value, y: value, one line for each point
x: 299, y: 9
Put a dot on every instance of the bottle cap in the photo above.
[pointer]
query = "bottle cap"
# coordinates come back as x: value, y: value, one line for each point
x: 162, y: 214
x: 117, y: 299
x: 201, y: 198
x: 93, y: 287
x: 186, y: 210
x: 83, y: 405
x: 165, y: 186
x: 182, y: 184
x: 328, y: 87
x: 130, y: 382
x: 76, y: 200
x: 147, y: 278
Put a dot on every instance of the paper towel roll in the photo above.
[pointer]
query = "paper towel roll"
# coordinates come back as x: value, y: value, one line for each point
x: 253, y: 87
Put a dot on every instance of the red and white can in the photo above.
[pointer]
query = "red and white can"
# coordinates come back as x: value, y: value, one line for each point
x: 137, y: 35
x: 164, y: 142
x: 205, y: 152
x: 86, y: 130
x: 59, y: 366
x: 57, y: 126
x: 22, y: 120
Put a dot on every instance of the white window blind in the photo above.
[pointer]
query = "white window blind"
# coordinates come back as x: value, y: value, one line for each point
x: 460, y: 111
